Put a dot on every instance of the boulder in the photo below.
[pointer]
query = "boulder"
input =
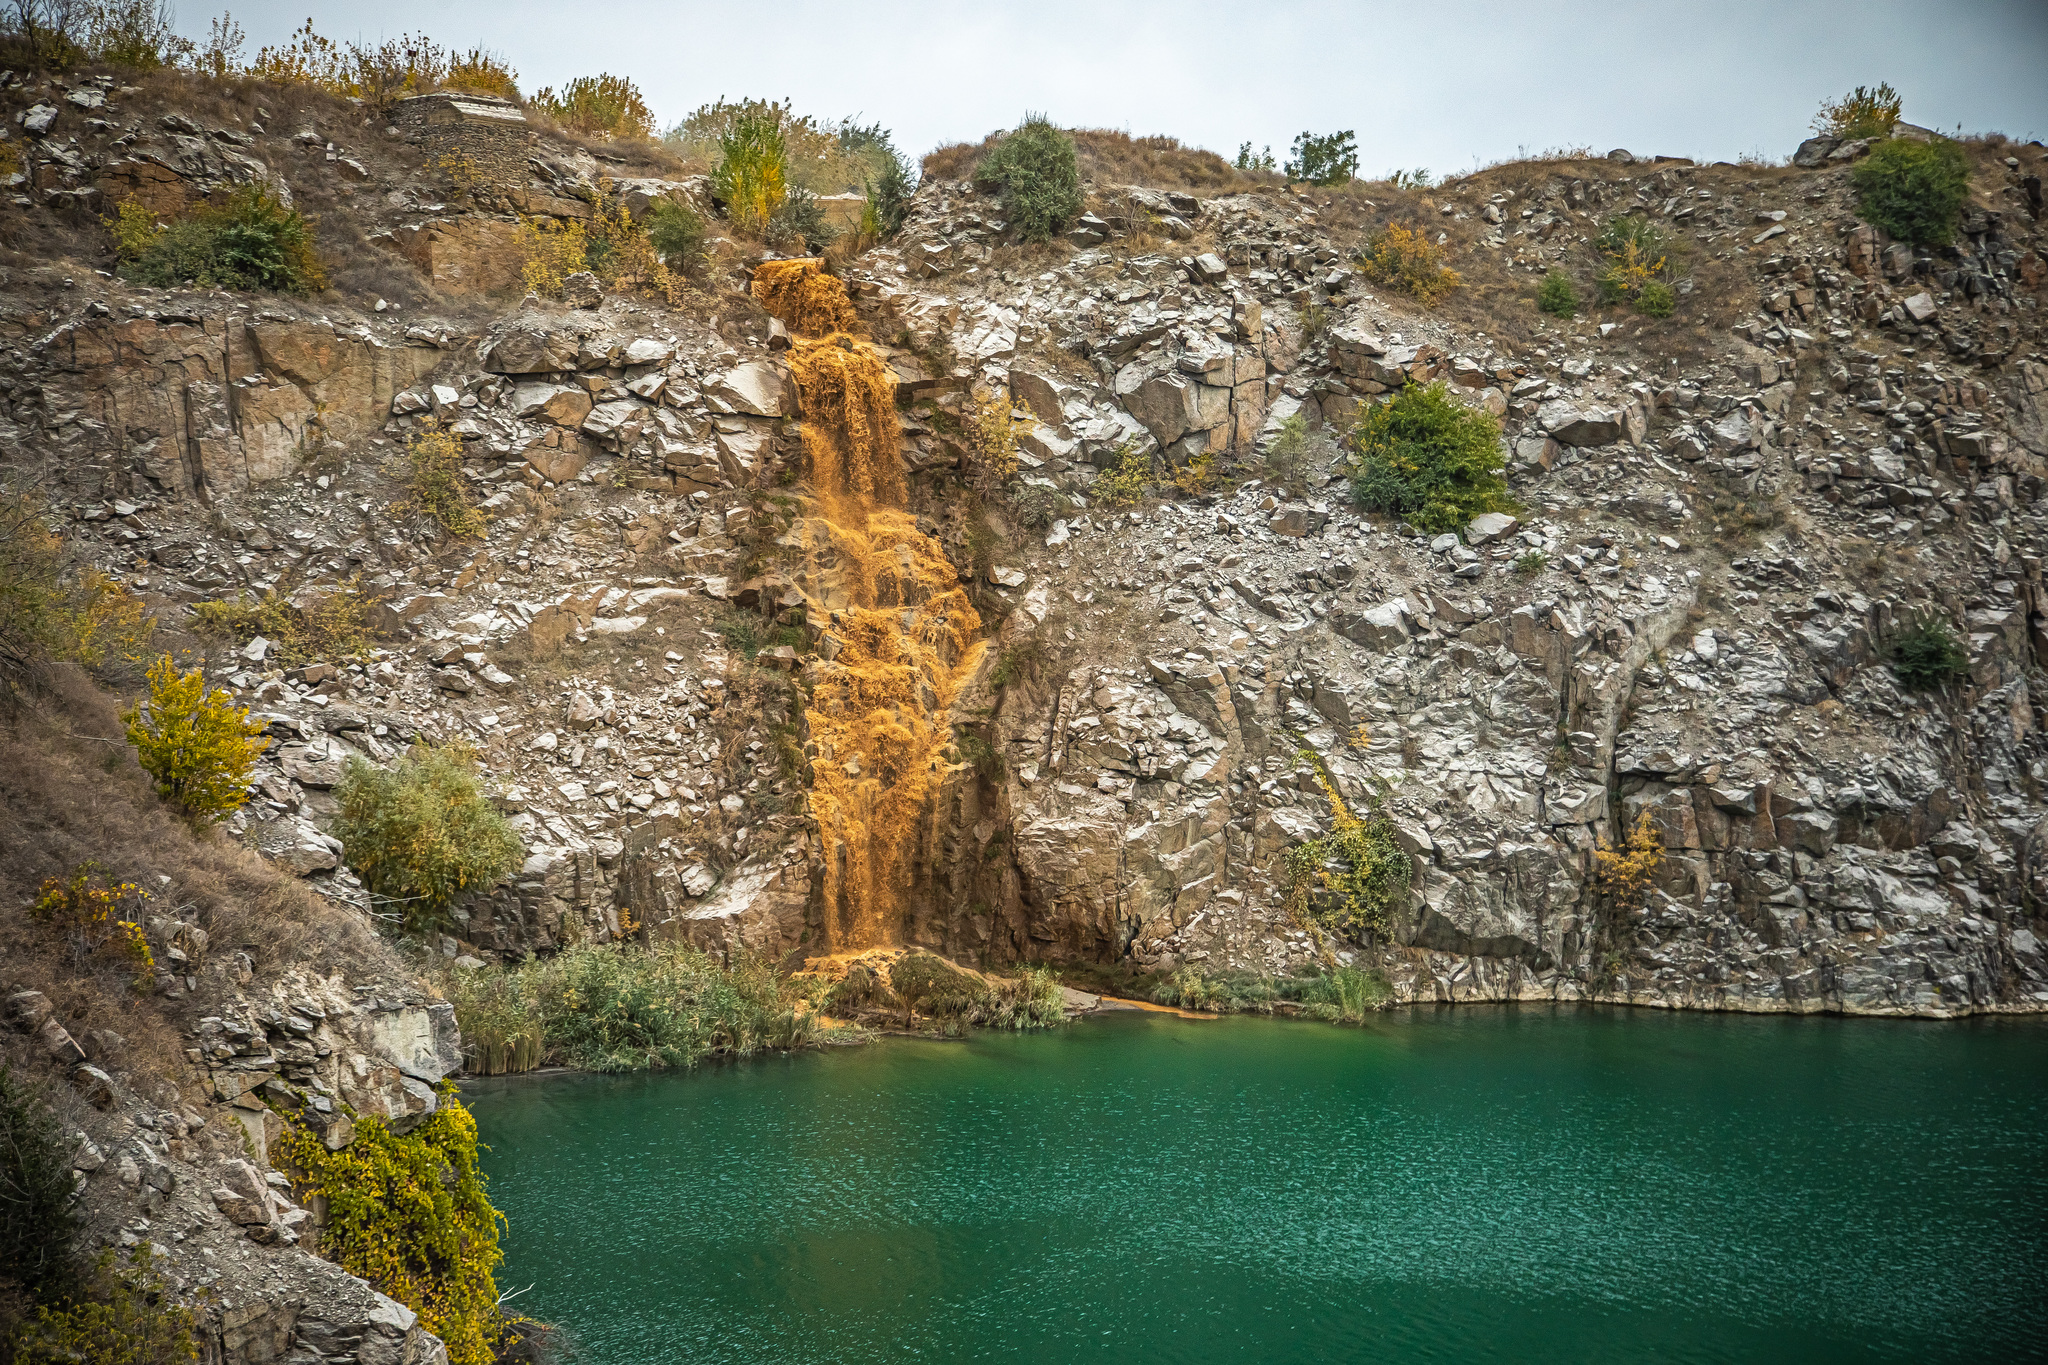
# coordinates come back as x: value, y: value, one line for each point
x: 1814, y: 151
x: 562, y: 404
x: 296, y: 846
x: 1382, y: 627
x: 1488, y: 527
x: 646, y: 351
x: 1570, y: 425
x: 1352, y: 346
x: 583, y: 290
x: 530, y: 348
x: 242, y: 1195
x: 755, y: 388
x: 558, y: 462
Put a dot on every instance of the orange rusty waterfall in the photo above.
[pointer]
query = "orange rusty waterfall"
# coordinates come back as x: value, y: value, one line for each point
x: 901, y: 635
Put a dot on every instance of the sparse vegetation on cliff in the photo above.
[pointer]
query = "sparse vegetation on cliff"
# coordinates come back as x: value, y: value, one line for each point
x: 434, y: 461
x: 1404, y: 258
x: 1871, y: 112
x: 251, y: 241
x: 53, y: 611
x: 1624, y: 872
x: 603, y: 106
x: 332, y: 625
x: 1345, y: 882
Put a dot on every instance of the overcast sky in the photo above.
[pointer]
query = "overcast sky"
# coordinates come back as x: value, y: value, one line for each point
x: 1425, y: 83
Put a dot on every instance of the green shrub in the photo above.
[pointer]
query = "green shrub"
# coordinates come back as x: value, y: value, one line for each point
x: 1926, y: 655
x: 620, y: 1007
x: 1656, y: 300
x: 677, y: 233
x: 890, y: 187
x: 799, y: 222
x: 1325, y: 159
x: 121, y: 1315
x: 1254, y: 162
x: 603, y: 106
x: 422, y: 832
x: 1036, y: 174
x: 1429, y: 458
x: 1532, y: 563
x: 1557, y: 297
x: 410, y: 1215
x: 1914, y: 190
x: 251, y: 241
x: 38, y: 1218
x: 1860, y: 113
x: 1344, y: 995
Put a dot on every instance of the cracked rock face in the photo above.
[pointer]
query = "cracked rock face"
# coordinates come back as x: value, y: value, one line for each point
x: 1686, y: 626
x: 1689, y: 620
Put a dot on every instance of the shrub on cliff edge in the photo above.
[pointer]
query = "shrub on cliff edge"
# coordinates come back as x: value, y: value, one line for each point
x: 1035, y: 172
x: 1914, y: 190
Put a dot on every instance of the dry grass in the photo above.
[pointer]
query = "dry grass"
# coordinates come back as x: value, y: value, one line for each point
x: 70, y: 793
x: 1110, y: 157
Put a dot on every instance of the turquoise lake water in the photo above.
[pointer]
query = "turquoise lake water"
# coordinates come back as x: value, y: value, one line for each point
x: 1579, y: 1185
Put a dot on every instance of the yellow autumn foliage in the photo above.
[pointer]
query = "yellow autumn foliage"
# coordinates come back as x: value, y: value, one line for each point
x: 1624, y: 873
x: 198, y: 745
x: 410, y: 1215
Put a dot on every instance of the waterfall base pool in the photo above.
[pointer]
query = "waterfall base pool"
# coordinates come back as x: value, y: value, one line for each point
x: 1534, y: 1185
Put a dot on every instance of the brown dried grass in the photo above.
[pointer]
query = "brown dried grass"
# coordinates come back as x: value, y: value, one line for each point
x: 71, y: 792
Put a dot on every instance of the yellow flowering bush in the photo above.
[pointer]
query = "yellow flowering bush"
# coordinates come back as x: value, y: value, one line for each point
x: 550, y: 252
x: 1404, y: 258
x: 199, y: 746
x: 1624, y: 873
x: 410, y: 1215
x: 98, y: 919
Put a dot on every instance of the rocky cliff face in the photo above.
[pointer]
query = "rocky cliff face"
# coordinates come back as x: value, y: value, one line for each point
x: 1725, y: 523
